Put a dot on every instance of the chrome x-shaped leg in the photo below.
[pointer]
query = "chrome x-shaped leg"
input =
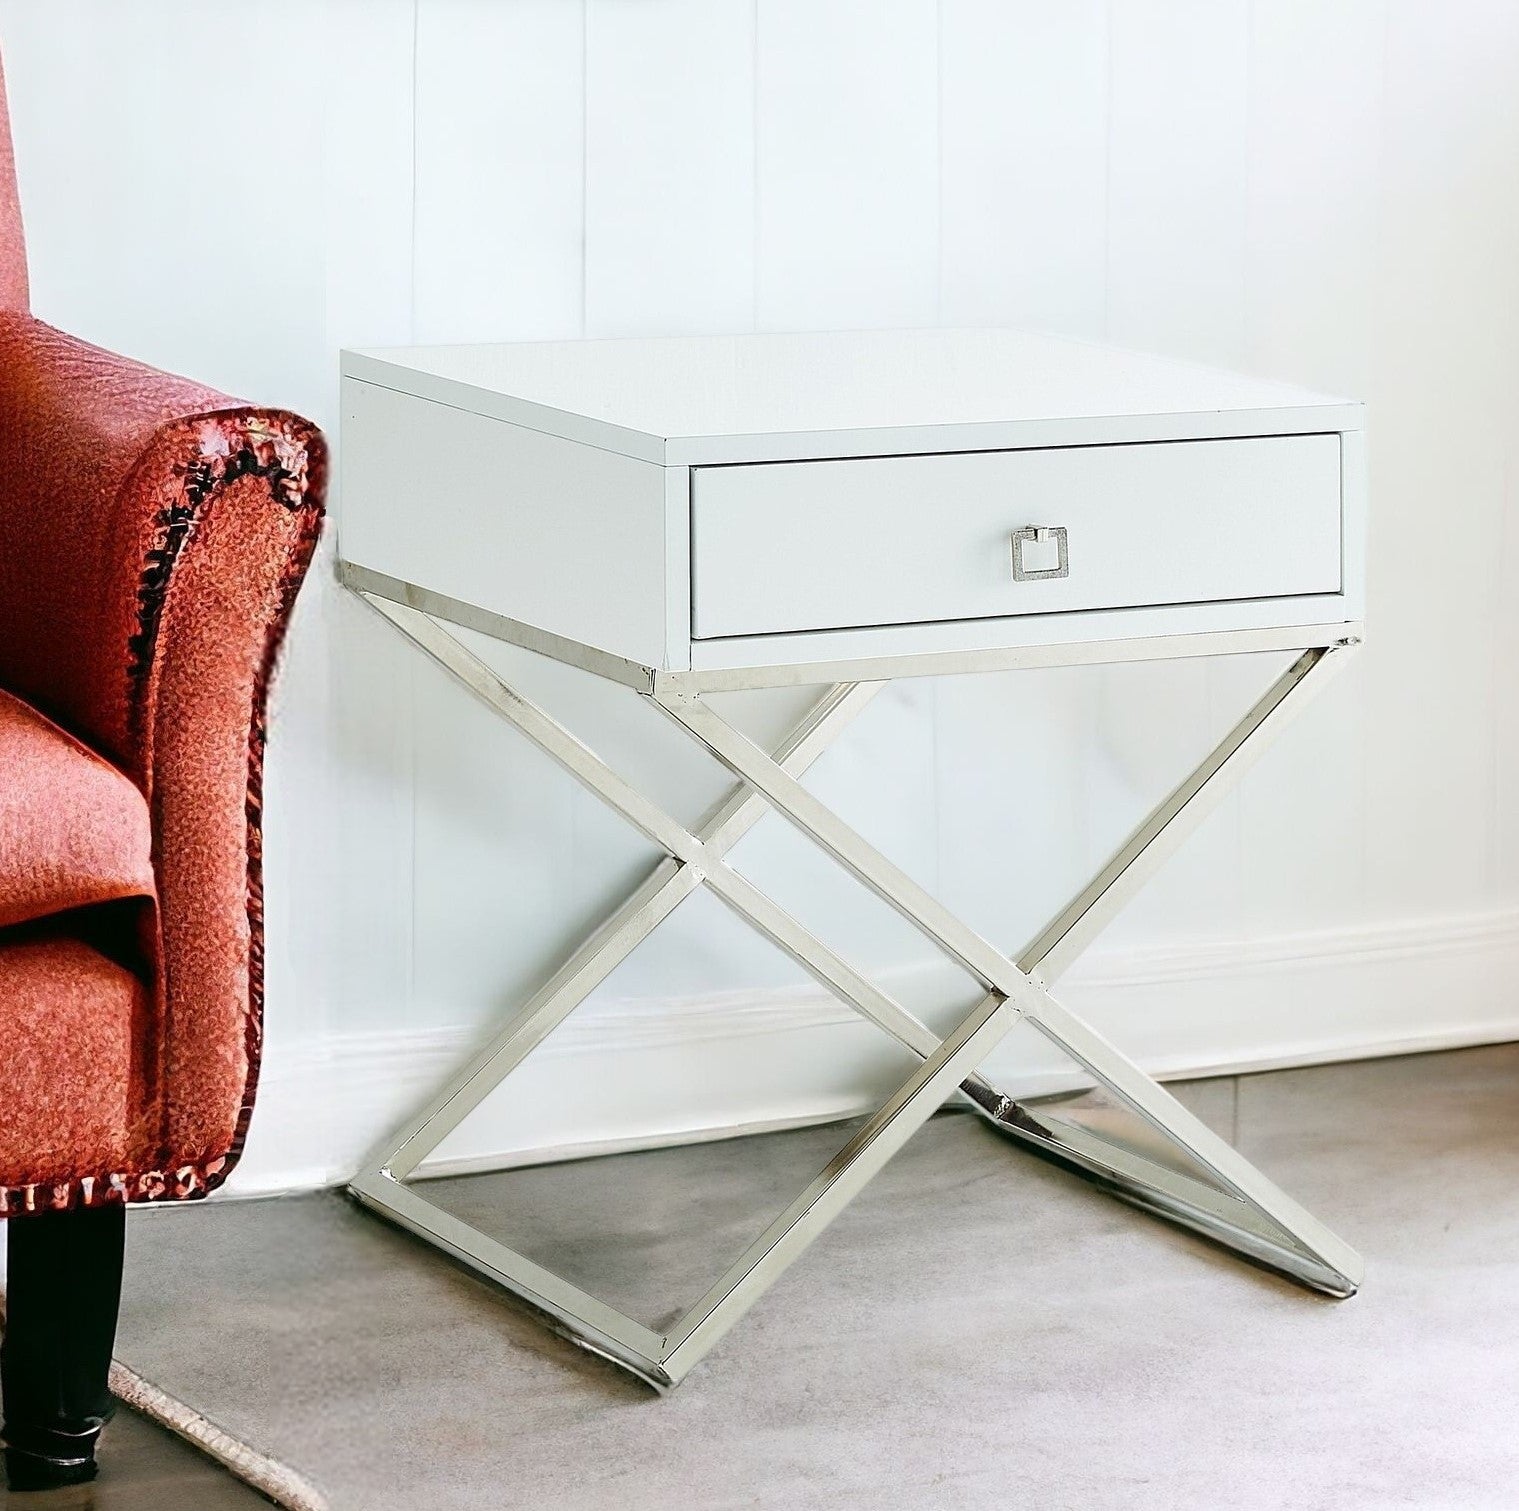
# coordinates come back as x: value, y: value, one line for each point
x: 1208, y: 1187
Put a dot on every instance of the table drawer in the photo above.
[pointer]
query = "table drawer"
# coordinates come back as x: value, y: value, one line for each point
x: 795, y: 546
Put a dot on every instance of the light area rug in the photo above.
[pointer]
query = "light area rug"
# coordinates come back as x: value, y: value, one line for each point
x: 268, y: 1476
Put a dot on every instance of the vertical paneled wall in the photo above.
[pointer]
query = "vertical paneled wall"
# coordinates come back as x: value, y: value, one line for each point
x: 1320, y: 190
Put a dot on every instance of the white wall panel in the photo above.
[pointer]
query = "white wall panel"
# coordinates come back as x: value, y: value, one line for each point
x: 1314, y: 148
x: 1151, y: 725
x: 369, y: 146
x: 1023, y: 164
x: 1015, y: 772
x: 492, y: 833
x: 847, y: 163
x: 1177, y: 122
x: 880, y: 779
x: 500, y: 160
x: 669, y: 167
x: 1314, y: 144
x: 364, y: 746
x: 1444, y: 398
x: 171, y: 165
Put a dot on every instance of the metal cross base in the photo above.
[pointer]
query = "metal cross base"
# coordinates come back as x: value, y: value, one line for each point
x: 1225, y: 1198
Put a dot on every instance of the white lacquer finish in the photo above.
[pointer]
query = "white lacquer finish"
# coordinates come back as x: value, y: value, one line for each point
x: 569, y: 538
x: 911, y: 539
x: 624, y: 494
x: 716, y: 399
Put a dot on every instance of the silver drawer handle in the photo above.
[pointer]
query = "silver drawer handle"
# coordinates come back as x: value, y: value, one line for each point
x: 1040, y: 534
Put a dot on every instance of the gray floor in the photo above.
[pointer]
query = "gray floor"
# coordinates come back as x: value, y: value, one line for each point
x: 145, y: 1468
x: 978, y: 1327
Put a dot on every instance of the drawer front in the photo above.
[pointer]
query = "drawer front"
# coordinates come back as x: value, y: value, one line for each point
x: 794, y: 546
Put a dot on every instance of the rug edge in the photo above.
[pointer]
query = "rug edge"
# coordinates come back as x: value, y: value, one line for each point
x: 266, y: 1475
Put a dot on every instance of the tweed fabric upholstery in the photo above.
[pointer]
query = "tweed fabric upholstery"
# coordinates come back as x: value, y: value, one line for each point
x: 73, y: 829
x: 75, y: 1024
x: 153, y: 536
x: 152, y: 539
x: 13, y: 283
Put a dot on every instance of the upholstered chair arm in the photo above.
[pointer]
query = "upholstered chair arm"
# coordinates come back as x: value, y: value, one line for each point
x: 153, y: 534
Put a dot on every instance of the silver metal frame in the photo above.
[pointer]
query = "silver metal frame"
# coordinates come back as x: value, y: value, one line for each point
x: 1213, y: 1191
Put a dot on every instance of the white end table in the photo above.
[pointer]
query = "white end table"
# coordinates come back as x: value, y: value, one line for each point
x: 690, y: 516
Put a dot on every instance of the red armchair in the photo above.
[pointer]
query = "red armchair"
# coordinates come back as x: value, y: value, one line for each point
x: 153, y: 534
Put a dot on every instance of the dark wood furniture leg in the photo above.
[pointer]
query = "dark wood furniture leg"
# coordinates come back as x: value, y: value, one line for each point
x: 63, y: 1292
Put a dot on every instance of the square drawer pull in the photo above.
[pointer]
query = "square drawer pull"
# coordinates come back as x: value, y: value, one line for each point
x: 1040, y: 534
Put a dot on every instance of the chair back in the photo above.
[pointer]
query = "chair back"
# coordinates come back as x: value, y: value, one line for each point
x: 14, y: 294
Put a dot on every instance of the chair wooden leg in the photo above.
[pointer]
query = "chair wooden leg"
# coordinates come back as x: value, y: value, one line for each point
x: 63, y: 1292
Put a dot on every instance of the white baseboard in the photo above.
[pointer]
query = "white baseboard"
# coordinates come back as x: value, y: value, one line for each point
x: 642, y: 1073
